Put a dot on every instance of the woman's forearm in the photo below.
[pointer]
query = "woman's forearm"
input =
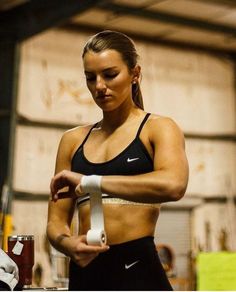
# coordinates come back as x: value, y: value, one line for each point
x: 156, y: 187
x: 57, y: 235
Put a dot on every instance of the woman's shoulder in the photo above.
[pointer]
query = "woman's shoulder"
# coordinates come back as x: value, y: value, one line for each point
x: 73, y: 137
x: 161, y: 120
x: 163, y: 124
x: 76, y: 132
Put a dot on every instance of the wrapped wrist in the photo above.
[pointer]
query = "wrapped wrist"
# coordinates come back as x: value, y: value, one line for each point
x: 89, y: 184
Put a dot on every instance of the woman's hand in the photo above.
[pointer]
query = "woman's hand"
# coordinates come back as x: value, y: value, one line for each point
x: 80, y: 252
x: 64, y: 179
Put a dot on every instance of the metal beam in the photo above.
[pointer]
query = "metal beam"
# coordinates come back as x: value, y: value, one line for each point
x: 21, y: 120
x: 36, y: 16
x: 8, y: 84
x: 229, y: 3
x: 168, y: 18
x: 157, y: 40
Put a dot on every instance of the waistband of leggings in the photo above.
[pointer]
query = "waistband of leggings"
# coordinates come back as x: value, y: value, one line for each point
x: 134, y: 244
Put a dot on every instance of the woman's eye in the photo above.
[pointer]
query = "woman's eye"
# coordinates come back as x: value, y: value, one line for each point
x: 90, y: 78
x: 111, y: 76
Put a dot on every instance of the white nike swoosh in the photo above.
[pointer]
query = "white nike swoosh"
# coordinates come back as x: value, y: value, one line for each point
x: 132, y: 159
x: 130, y: 265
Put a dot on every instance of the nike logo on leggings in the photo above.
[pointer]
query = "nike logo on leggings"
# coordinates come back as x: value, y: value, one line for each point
x: 130, y: 265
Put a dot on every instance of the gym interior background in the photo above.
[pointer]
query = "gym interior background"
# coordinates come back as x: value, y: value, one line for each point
x: 187, y: 52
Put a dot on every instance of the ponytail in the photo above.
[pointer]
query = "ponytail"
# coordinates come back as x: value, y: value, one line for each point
x: 137, y: 95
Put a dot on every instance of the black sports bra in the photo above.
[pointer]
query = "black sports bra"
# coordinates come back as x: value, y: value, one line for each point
x: 134, y: 159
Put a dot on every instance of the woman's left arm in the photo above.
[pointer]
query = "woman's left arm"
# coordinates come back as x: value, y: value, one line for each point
x: 168, y: 181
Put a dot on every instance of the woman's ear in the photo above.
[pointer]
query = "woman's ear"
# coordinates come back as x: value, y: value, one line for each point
x: 136, y: 73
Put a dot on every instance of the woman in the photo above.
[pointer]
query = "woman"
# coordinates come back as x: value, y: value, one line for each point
x: 139, y: 162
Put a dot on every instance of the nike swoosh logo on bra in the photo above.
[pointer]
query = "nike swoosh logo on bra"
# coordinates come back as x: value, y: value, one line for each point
x: 132, y: 159
x: 130, y: 265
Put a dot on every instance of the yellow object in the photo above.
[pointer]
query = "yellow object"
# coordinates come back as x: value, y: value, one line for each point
x: 216, y: 271
x: 7, y: 230
x: 1, y: 218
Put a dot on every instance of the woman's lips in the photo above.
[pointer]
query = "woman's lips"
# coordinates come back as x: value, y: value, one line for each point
x: 100, y: 97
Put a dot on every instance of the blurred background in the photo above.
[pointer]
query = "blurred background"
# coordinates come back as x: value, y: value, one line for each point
x: 187, y: 53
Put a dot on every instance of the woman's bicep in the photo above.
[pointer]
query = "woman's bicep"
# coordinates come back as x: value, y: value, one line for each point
x: 169, y: 150
x: 62, y: 209
x: 63, y: 158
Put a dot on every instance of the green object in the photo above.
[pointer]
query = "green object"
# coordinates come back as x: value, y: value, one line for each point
x: 216, y: 271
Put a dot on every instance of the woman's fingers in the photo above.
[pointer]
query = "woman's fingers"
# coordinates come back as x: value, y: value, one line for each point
x: 61, y: 195
x: 89, y: 254
x: 82, y: 253
x: 61, y: 180
x: 84, y: 259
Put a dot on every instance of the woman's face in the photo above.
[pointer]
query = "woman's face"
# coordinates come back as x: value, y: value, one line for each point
x: 108, y: 78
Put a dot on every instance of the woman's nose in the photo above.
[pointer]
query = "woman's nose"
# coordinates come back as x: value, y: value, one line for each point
x: 100, y: 84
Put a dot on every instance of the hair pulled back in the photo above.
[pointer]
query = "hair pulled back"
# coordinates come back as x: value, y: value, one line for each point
x: 113, y: 40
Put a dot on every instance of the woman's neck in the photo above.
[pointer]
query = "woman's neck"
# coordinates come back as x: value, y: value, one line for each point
x: 113, y: 120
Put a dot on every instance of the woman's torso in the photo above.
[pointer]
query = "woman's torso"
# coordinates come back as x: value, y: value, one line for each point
x: 126, y: 151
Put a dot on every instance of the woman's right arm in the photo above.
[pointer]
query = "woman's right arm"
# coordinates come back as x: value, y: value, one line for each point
x: 60, y: 215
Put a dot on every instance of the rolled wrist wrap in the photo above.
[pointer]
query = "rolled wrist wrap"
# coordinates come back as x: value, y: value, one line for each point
x: 90, y: 184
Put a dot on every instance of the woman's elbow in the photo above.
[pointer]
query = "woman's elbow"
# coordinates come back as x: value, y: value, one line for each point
x: 177, y: 190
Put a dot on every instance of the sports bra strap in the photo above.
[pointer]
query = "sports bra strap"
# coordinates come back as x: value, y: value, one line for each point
x: 86, y: 137
x: 142, y: 124
x: 94, y: 126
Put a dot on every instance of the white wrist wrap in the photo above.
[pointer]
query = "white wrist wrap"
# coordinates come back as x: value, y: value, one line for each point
x: 91, y: 184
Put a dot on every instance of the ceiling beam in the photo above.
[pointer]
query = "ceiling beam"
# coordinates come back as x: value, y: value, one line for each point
x: 168, y: 18
x: 77, y: 27
x: 228, y: 3
x: 36, y: 16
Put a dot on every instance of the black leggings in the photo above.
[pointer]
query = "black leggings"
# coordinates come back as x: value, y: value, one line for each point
x: 132, y: 265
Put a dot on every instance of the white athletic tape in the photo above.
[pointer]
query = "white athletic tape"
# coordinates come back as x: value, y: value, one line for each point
x: 92, y: 185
